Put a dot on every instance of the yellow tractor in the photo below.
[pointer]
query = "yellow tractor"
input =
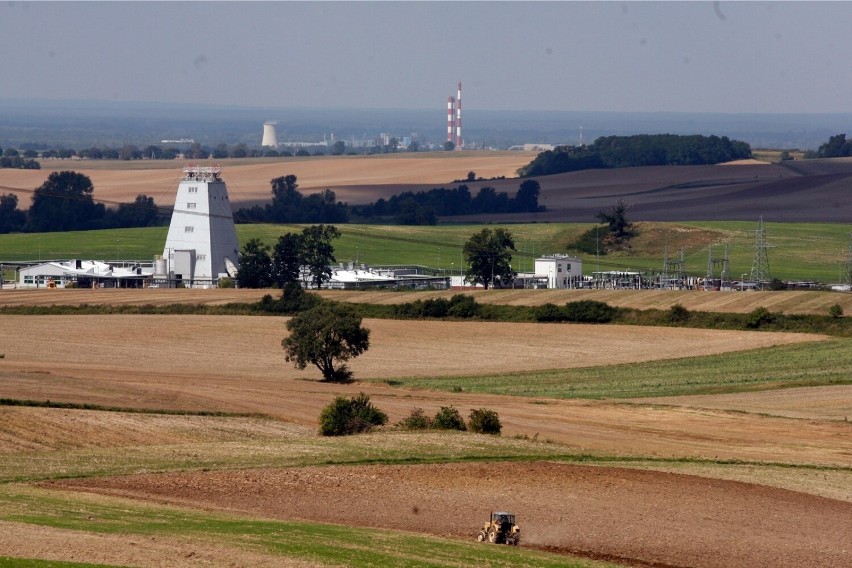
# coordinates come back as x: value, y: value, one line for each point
x: 501, y: 529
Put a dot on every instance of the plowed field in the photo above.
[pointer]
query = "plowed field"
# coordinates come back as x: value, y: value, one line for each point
x: 649, y: 518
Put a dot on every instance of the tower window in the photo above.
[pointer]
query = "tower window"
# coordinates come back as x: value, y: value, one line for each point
x: 189, y: 229
x: 193, y: 189
x: 190, y: 205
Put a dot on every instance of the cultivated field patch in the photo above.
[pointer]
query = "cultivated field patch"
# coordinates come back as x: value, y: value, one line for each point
x: 648, y: 517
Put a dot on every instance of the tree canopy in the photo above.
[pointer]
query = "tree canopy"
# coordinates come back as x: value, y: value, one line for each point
x: 64, y: 202
x: 639, y: 150
x: 255, y: 265
x: 318, y: 252
x: 326, y: 336
x: 488, y: 257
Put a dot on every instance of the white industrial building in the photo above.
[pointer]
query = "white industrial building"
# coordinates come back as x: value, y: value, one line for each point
x: 559, y: 271
x: 84, y: 274
x: 201, y: 246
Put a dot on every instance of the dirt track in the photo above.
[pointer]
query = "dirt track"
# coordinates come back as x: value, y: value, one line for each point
x: 649, y: 518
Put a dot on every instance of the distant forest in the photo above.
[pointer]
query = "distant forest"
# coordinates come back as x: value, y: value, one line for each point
x: 640, y: 150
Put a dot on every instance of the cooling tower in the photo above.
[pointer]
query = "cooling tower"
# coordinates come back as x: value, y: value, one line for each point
x: 270, y: 138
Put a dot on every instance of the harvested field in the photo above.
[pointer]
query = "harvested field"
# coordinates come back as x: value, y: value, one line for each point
x: 355, y: 179
x: 649, y: 518
x: 788, y: 302
x: 235, y: 364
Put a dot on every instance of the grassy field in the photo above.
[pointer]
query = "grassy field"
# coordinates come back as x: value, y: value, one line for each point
x: 799, y: 251
x: 811, y: 364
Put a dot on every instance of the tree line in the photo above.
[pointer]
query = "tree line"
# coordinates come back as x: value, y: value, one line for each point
x: 836, y: 147
x: 11, y: 158
x: 640, y: 150
x: 423, y: 207
x: 65, y: 202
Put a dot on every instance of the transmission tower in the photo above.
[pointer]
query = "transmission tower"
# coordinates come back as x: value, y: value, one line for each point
x: 760, y: 266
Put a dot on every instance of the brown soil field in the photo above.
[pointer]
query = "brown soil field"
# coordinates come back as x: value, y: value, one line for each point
x: 788, y: 302
x: 641, y: 517
x: 235, y: 363
x: 355, y: 179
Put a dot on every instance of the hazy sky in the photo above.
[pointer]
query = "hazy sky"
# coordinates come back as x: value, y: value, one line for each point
x: 583, y: 56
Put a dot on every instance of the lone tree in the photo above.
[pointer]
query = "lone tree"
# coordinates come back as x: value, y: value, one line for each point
x: 488, y: 258
x: 616, y: 219
x: 326, y: 336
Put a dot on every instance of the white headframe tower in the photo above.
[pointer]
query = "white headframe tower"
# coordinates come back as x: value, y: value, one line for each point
x: 202, y: 243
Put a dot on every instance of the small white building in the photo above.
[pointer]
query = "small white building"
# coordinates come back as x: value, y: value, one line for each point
x: 559, y: 270
x: 84, y: 274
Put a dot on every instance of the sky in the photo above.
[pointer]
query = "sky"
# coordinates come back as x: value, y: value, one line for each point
x: 735, y: 57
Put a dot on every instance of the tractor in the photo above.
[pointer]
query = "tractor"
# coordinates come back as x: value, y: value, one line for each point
x: 501, y: 529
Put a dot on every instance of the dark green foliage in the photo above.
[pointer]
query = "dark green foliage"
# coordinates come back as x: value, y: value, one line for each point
x: 12, y: 219
x: 286, y: 259
x: 589, y: 311
x: 484, y: 421
x: 290, y: 206
x: 548, y: 313
x: 616, y: 220
x: 488, y: 259
x: 678, y: 314
x: 347, y: 416
x: 776, y: 284
x: 417, y: 420
x: 459, y: 306
x: 294, y: 299
x: 463, y: 306
x: 590, y: 242
x: 448, y: 418
x: 836, y: 147
x: 317, y: 252
x: 255, y: 266
x: 324, y: 336
x: 760, y: 317
x: 64, y: 202
x: 835, y: 311
x: 639, y: 150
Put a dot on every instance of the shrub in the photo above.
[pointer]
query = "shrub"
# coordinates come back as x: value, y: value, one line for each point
x: 417, y: 420
x: 226, y: 282
x: 588, y: 311
x: 678, y: 314
x: 760, y: 316
x: 776, y: 284
x: 548, y: 313
x: 463, y: 306
x: 484, y: 421
x: 448, y: 418
x: 347, y: 416
x: 835, y: 311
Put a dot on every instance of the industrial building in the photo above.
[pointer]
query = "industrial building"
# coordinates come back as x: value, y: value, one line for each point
x: 454, y: 119
x: 85, y: 274
x: 201, y: 246
x: 559, y: 271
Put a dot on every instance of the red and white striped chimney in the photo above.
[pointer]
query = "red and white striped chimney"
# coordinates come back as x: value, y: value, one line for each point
x: 458, y: 120
x: 451, y: 119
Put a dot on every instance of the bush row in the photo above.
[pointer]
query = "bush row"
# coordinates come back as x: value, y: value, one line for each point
x: 346, y: 416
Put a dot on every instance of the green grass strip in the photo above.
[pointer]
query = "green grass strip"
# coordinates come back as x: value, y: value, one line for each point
x: 802, y: 365
x: 315, y: 542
